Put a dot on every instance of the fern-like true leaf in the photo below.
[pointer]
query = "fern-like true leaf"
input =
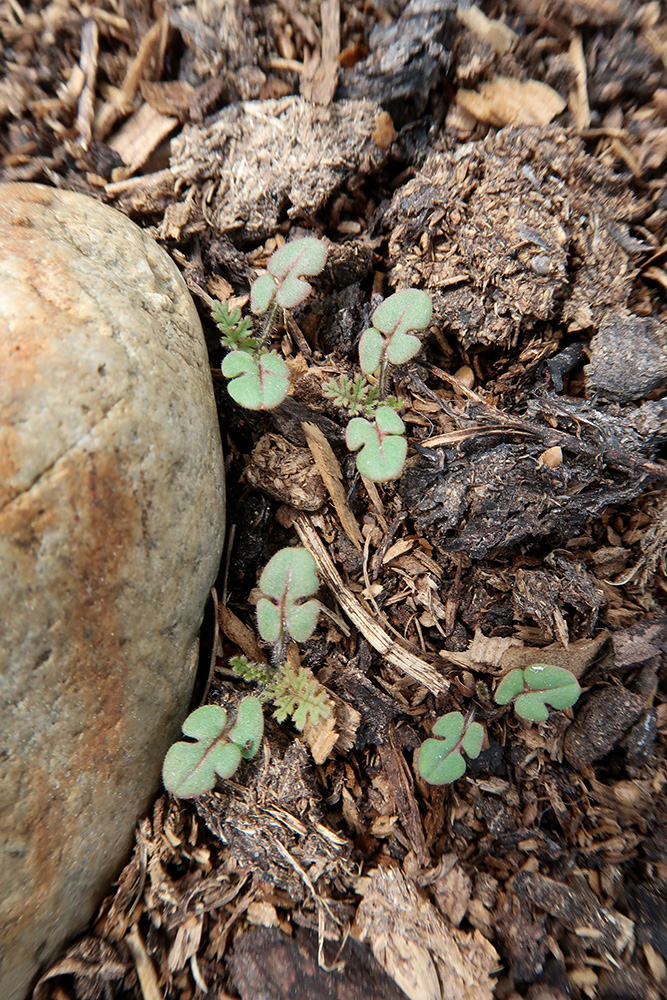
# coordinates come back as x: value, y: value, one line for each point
x: 297, y: 694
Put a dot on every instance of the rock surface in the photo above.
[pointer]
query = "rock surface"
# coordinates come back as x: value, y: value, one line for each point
x: 111, y: 526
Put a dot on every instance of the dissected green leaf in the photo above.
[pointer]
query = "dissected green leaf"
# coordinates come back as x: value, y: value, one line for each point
x: 389, y: 336
x: 287, y: 578
x: 248, y: 729
x: 297, y: 693
x: 256, y: 383
x: 190, y: 769
x: 250, y: 671
x: 236, y: 331
x: 383, y: 447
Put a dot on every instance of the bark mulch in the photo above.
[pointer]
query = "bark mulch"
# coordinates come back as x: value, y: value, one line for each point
x: 510, y: 161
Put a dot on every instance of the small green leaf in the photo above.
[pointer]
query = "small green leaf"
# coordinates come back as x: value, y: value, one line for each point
x: 269, y: 620
x: 473, y: 739
x: 262, y: 293
x: 389, y: 337
x: 248, y: 729
x: 189, y: 769
x: 449, y: 728
x: 532, y: 707
x: 437, y: 766
x: 371, y: 349
x: 256, y: 383
x: 510, y: 686
x: 205, y: 723
x: 287, y: 578
x: 383, y: 447
x: 440, y: 760
x: 288, y: 265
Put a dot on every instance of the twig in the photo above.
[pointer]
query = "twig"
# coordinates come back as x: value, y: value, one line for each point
x: 396, y: 655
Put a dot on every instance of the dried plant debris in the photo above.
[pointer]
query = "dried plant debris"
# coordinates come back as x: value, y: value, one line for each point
x: 636, y: 645
x: 628, y: 358
x: 221, y: 45
x: 522, y: 227
x: 95, y: 965
x: 607, y: 715
x: 266, y: 963
x: 274, y: 827
x: 429, y: 959
x: 258, y: 161
x: 408, y: 59
x: 486, y: 490
x: 542, y: 595
x: 603, y: 930
x: 286, y: 473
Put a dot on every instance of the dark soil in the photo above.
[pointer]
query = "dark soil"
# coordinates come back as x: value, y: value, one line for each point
x: 514, y: 169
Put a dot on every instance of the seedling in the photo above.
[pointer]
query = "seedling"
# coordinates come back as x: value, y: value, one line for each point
x: 259, y: 377
x: 294, y: 690
x: 383, y: 447
x: 388, y: 341
x: 189, y: 769
x: 534, y: 688
x: 282, y: 611
x: 284, y: 283
x: 441, y: 760
x: 289, y: 577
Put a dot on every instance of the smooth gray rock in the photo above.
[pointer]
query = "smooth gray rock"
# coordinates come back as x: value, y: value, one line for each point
x: 111, y: 527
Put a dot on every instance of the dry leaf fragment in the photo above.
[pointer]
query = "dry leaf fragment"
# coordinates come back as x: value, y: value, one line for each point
x: 415, y: 945
x: 330, y: 471
x: 504, y: 101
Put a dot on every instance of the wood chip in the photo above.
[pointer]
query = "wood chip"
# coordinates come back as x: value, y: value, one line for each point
x: 330, y: 471
x: 499, y: 36
x: 415, y: 946
x: 505, y: 101
x: 319, y: 84
x: 138, y: 138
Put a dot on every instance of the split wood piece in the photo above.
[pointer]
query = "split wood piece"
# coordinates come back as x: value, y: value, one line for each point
x: 240, y: 634
x: 147, y: 63
x: 267, y: 963
x: 88, y: 66
x: 330, y: 471
x: 505, y: 101
x: 396, y: 655
x: 499, y: 36
x: 319, y: 82
x: 138, y: 138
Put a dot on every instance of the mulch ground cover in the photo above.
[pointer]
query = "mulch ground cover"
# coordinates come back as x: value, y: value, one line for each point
x: 510, y: 161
